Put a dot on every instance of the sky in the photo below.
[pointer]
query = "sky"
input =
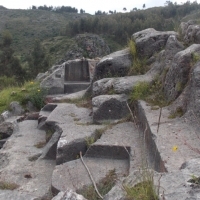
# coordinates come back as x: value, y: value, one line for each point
x: 90, y: 6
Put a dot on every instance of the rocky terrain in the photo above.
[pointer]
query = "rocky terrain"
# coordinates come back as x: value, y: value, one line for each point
x: 103, y: 136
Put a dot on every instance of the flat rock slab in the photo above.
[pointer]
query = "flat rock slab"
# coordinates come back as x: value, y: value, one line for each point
x: 19, y: 164
x: 76, y: 124
x: 176, y: 139
x: 73, y: 175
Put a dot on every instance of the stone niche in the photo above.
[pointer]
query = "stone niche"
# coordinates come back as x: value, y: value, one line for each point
x: 77, y: 76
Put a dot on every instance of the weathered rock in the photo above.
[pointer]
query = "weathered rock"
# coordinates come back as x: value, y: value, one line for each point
x: 109, y: 107
x: 32, y: 116
x: 190, y: 31
x: 183, y: 184
x: 88, y: 46
x: 6, y: 129
x: 54, y: 83
x: 118, y: 85
x: 179, y: 73
x: 50, y: 149
x: 165, y: 57
x: 194, y: 95
x: 16, y: 108
x: 115, y: 64
x: 68, y: 195
x: 150, y: 41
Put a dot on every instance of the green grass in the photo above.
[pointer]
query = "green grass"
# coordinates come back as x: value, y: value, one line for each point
x: 8, y: 186
x: 30, y: 91
x: 139, y: 65
x: 144, y: 189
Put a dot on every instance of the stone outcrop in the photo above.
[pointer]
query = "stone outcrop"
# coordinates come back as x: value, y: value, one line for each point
x: 6, y: 129
x: 109, y: 107
x: 88, y: 46
x: 150, y: 41
x: 71, y: 76
x: 179, y: 73
x: 190, y: 32
x: 114, y: 64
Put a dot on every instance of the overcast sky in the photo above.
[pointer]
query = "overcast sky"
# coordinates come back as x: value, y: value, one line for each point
x: 90, y: 6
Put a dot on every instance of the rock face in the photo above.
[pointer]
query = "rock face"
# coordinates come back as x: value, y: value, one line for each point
x: 179, y: 73
x: 71, y: 76
x: 16, y: 108
x: 190, y: 32
x: 54, y: 82
x: 109, y: 107
x: 150, y: 41
x: 88, y: 46
x: 6, y: 129
x: 115, y: 64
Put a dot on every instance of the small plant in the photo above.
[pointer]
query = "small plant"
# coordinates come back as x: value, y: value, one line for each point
x: 179, y: 86
x: 145, y: 189
x: 194, y: 179
x: 49, y: 133
x: 104, y: 186
x: 140, y: 91
x: 8, y: 186
x: 195, y: 57
x: 40, y: 145
x: 89, y: 141
x: 178, y: 113
x: 139, y: 65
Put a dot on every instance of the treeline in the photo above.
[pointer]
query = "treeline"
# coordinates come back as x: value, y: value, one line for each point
x: 59, y: 9
x: 121, y: 26
x: 10, y: 66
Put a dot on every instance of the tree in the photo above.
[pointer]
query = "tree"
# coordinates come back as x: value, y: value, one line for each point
x: 124, y: 9
x: 144, y: 6
x: 37, y: 60
x: 7, y: 38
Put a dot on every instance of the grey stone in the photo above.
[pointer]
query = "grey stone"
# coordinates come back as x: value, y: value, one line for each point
x: 6, y: 129
x: 68, y: 195
x: 116, y: 193
x: 190, y: 32
x: 109, y: 107
x: 179, y: 73
x: 118, y: 85
x: 54, y: 82
x: 181, y: 184
x: 150, y: 41
x: 114, y: 64
x: 16, y: 108
x: 50, y: 149
x: 194, y: 94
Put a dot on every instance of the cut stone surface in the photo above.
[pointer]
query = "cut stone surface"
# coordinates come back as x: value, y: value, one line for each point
x: 101, y: 157
x: 78, y: 128
x: 172, y: 142
x: 18, y: 164
x: 109, y: 107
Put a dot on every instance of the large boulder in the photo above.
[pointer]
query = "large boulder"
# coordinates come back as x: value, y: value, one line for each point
x: 54, y: 83
x: 150, y: 41
x: 190, y: 32
x: 88, y: 46
x: 6, y: 129
x: 118, y: 85
x: 114, y: 64
x: 179, y: 73
x: 109, y: 107
x: 165, y: 57
x: 16, y: 108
